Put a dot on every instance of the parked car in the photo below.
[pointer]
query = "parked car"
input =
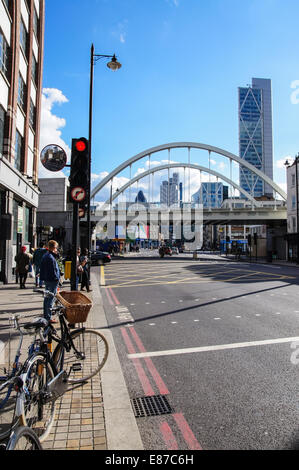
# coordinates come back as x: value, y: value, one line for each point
x: 165, y: 250
x: 99, y: 257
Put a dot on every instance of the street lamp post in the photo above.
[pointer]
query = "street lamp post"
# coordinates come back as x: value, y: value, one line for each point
x: 114, y: 65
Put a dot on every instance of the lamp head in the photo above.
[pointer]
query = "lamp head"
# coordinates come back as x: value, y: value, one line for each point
x: 114, y: 64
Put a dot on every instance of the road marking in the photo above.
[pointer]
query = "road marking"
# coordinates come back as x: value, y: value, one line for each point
x: 186, y: 431
x: 103, y: 282
x: 152, y: 369
x: 217, y: 347
x: 217, y: 318
x: 147, y: 388
x: 109, y: 298
x: 114, y: 296
x: 168, y: 436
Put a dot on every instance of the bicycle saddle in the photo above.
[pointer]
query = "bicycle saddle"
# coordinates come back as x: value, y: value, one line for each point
x: 37, y: 323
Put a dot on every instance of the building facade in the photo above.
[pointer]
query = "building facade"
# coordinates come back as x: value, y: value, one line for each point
x: 255, y: 135
x: 210, y: 194
x: 292, y: 211
x: 21, y: 62
x: 54, y: 214
x: 169, y: 190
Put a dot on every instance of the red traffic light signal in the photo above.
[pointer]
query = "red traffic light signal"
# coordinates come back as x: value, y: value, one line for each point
x: 79, y: 174
x: 80, y: 145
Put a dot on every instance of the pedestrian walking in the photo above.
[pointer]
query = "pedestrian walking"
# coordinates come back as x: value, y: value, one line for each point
x: 23, y: 261
x: 37, y: 259
x: 84, y: 274
x: 50, y: 274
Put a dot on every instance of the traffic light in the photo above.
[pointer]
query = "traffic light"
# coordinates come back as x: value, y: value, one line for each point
x: 227, y: 239
x: 79, y: 175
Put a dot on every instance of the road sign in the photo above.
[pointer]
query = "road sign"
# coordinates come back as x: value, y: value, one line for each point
x: 78, y: 194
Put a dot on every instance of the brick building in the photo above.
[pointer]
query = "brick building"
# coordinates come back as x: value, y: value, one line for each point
x: 21, y: 62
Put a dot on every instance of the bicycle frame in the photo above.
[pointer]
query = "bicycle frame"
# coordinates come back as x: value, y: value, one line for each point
x: 9, y: 378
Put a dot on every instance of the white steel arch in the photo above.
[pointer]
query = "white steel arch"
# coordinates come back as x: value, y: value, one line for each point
x: 182, y: 165
x: 188, y: 145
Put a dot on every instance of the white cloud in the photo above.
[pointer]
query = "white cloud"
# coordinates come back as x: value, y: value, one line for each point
x: 51, y: 126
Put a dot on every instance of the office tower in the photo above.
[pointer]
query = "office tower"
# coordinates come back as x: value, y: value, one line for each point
x: 169, y: 190
x: 210, y: 194
x: 21, y: 60
x: 255, y: 135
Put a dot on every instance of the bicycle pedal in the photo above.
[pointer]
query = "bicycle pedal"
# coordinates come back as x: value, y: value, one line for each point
x: 76, y: 367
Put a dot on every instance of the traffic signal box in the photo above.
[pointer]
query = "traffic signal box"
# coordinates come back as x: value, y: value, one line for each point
x: 79, y: 174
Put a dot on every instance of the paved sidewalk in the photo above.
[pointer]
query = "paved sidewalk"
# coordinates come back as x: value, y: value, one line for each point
x: 95, y: 416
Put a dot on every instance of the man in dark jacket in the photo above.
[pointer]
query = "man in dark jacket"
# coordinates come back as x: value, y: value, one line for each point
x: 50, y: 274
x: 37, y: 259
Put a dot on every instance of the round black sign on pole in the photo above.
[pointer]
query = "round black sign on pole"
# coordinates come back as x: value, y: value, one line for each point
x: 53, y: 157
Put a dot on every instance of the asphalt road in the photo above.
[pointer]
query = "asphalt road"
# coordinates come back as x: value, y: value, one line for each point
x: 219, y: 339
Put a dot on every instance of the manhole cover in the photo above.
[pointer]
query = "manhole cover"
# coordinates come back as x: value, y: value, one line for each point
x: 151, y: 406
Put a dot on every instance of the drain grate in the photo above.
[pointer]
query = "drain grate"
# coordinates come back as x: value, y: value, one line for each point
x: 151, y: 406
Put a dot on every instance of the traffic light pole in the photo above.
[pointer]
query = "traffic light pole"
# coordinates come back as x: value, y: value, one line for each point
x: 75, y: 246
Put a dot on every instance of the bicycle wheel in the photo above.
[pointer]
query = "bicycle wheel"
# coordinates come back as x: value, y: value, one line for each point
x: 8, y: 419
x: 88, y: 357
x: 36, y: 412
x: 24, y: 438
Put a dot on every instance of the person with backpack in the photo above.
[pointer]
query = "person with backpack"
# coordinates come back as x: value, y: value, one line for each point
x: 23, y: 260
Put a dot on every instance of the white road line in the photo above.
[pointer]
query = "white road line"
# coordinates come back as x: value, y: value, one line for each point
x: 218, y: 347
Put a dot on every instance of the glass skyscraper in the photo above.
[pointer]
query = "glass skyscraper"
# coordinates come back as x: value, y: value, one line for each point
x: 169, y: 190
x: 255, y: 135
x: 210, y: 194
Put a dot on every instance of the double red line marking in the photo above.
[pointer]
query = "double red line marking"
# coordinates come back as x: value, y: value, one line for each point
x: 130, y: 337
x: 179, y: 418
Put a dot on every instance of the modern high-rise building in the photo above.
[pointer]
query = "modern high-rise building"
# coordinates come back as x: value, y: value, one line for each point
x: 210, y: 194
x: 21, y: 61
x: 169, y: 190
x: 255, y: 135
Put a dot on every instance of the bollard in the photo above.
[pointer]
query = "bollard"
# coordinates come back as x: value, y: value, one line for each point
x: 195, y: 255
x: 67, y: 270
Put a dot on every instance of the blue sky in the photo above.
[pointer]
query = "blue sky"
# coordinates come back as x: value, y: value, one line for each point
x: 182, y: 63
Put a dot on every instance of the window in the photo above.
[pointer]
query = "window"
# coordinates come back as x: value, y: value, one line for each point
x: 35, y: 23
x: 23, y: 37
x: 26, y: 224
x: 18, y: 151
x: 293, y: 180
x: 8, y: 4
x: 34, y: 69
x: 294, y: 223
x: 32, y: 114
x: 3, y: 54
x: 2, y: 124
x: 21, y: 92
x: 293, y: 202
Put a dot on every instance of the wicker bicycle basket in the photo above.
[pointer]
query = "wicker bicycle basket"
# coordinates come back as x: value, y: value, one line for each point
x: 77, y: 305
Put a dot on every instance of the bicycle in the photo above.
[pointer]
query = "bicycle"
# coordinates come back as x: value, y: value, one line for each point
x: 23, y: 438
x: 24, y: 388
x: 8, y: 391
x: 85, y: 345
